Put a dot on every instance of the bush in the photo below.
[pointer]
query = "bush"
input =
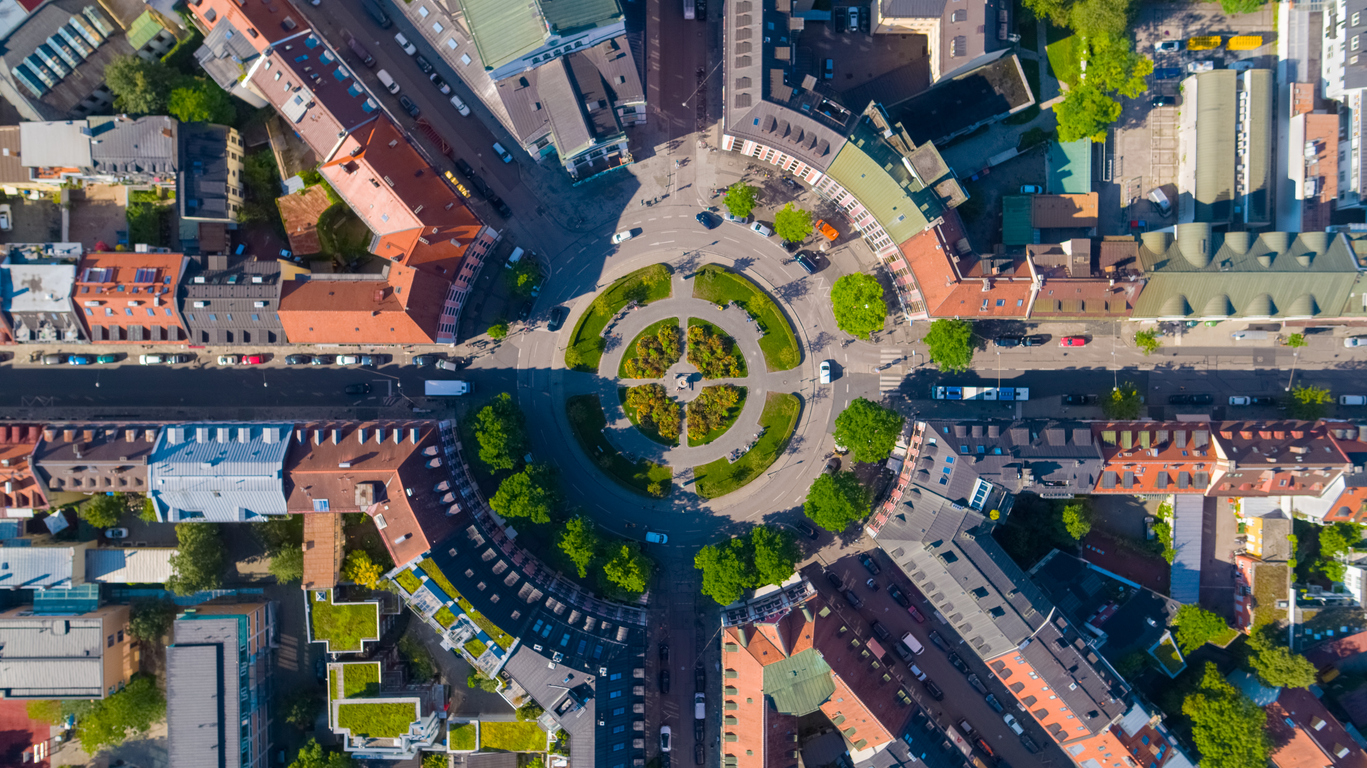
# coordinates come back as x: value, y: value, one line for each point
x: 713, y: 352
x: 150, y: 619
x: 711, y: 410
x: 104, y: 511
x: 529, y: 711
x: 657, y: 348
x: 360, y: 569
x: 656, y: 411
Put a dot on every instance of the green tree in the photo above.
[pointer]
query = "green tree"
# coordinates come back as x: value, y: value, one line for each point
x: 857, y: 301
x: 776, y: 554
x: 287, y: 565
x: 836, y: 500
x: 793, y: 224
x: 1196, y: 626
x: 1057, y: 11
x: 1232, y: 7
x: 740, y: 199
x: 580, y: 542
x: 479, y: 682
x: 523, y: 277
x: 1113, y: 66
x: 148, y: 513
x: 501, y: 430
x: 1084, y: 113
x: 198, y: 562
x: 1123, y: 403
x: 1295, y: 340
x: 437, y: 760
x: 1227, y: 727
x: 140, y: 87
x: 1100, y: 18
x: 951, y: 344
x: 360, y: 569
x: 1077, y: 519
x: 1147, y: 341
x: 314, y: 756
x: 1308, y: 401
x: 104, y: 511
x: 529, y: 711
x: 498, y: 331
x: 530, y: 493
x: 1276, y: 665
x: 150, y: 619
x: 301, y: 708
x: 44, y: 711
x: 130, y: 712
x: 868, y: 430
x: 201, y: 101
x: 629, y: 568
x: 1336, y: 541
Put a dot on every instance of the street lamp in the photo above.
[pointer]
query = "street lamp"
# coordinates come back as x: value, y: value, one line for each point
x: 701, y: 83
x: 1294, y: 356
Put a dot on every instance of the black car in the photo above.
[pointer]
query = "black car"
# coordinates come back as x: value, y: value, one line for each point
x: 806, y: 263
x: 807, y: 530
x: 500, y: 207
x: 1078, y: 399
x: 835, y: 581
x: 377, y: 13
x: 869, y: 564
x: 903, y: 652
x: 176, y: 359
x: 1190, y: 399
x: 939, y: 641
x: 933, y: 689
x: 320, y: 360
x: 357, y: 389
x: 699, y: 757
x: 297, y: 359
x: 698, y: 731
x: 853, y: 599
x: 1008, y: 341
x: 1162, y: 101
x: 699, y: 678
x: 1029, y: 744
x: 1262, y: 401
x: 525, y: 312
x: 881, y: 631
x: 409, y: 106
x: 439, y: 81
x: 871, y: 584
x: 789, y: 246
x: 896, y: 594
x: 1034, y: 341
x: 958, y: 663
x: 557, y: 318
x: 664, y: 653
x: 708, y: 219
x: 422, y: 361
x: 664, y: 681
x: 465, y: 168
x: 423, y: 64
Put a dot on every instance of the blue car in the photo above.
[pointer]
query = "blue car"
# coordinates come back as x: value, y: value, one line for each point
x: 80, y: 360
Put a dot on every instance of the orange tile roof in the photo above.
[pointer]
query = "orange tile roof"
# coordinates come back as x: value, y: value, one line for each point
x: 130, y: 297
x: 1146, y: 744
x: 1317, y: 740
x: 1276, y: 458
x: 1063, y: 211
x: 946, y: 294
x: 264, y: 22
x: 1351, y: 505
x: 745, y: 701
x: 1331, y: 653
x: 300, y: 213
x: 1152, y: 457
x: 1032, y: 689
x: 323, y: 551
x: 403, y: 310
x: 854, y: 718
x: 19, y: 488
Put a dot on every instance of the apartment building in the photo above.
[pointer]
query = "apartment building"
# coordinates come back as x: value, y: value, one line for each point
x: 83, y: 655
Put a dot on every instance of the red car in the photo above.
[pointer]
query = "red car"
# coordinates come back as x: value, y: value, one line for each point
x: 251, y: 360
x: 915, y: 614
x: 1073, y: 341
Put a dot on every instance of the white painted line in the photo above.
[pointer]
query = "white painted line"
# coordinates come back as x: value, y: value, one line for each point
x: 662, y: 242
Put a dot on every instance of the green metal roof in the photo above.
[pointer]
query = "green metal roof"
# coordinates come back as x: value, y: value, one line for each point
x: 1257, y: 201
x: 142, y: 30
x: 874, y: 173
x: 1356, y: 305
x: 1017, y: 220
x: 569, y: 16
x: 1070, y: 167
x: 1202, y: 274
x: 799, y: 684
x: 504, y: 31
x: 1215, y: 106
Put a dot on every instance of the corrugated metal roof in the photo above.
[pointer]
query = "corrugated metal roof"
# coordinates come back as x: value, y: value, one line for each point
x: 53, y: 657
x: 1257, y: 200
x: 35, y: 567
x: 504, y: 31
x: 1069, y: 166
x: 876, y: 175
x: 1017, y: 220
x: 568, y: 16
x: 128, y: 566
x: 799, y: 684
x: 63, y: 144
x: 1187, y: 513
x: 200, y: 712
x: 219, y: 472
x: 1212, y: 97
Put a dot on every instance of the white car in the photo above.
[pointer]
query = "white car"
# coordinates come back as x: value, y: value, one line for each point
x: 1239, y: 400
x: 150, y: 360
x: 917, y: 673
x: 1355, y: 341
x: 761, y: 230
x: 6, y: 220
x: 736, y: 219
x: 623, y: 236
x: 656, y: 538
x: 699, y: 706
x: 1012, y: 724
x: 460, y: 106
x: 407, y: 47
x: 229, y: 359
x: 1204, y: 65
x: 665, y: 734
x: 825, y: 371
x: 348, y: 360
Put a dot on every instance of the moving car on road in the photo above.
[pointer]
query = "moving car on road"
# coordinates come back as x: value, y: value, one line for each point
x: 933, y: 689
x: 1168, y: 45
x: 707, y: 219
x: 1078, y: 399
x: 807, y: 530
x: 825, y: 371
x: 655, y: 537
x: 502, y: 153
x: 806, y: 261
x: 357, y: 389
x: 107, y: 359
x: 557, y: 318
x: 623, y: 236
x: 1031, y: 189
x: 664, y: 681
x: 459, y: 105
x: 80, y: 360
x: 853, y: 599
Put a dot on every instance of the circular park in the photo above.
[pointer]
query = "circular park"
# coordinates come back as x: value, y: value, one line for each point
x: 684, y: 377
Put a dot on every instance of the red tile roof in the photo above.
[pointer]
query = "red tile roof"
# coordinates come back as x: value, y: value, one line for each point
x: 403, y: 310
x: 19, y: 488
x: 1313, y: 738
x: 1031, y: 688
x: 1331, y: 653
x: 323, y: 551
x: 747, y: 703
x: 130, y: 297
x: 1276, y: 458
x: 299, y: 213
x: 1153, y: 457
x: 264, y: 22
x: 1351, y: 506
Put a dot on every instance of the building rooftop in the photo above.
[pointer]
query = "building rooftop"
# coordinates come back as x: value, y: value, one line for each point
x: 1154, y: 457
x: 1069, y: 167
x: 205, y: 181
x: 1276, y: 458
x: 64, y: 144
x: 1115, y: 612
x: 22, y: 492
x: 142, y: 565
x: 52, y: 657
x: 89, y: 458
x: 1064, y: 211
x: 130, y: 297
x: 993, y: 88
x: 263, y: 23
x: 122, y: 146
x: 317, y: 93
x: 40, y: 567
x: 201, y: 721
x: 978, y: 464
x: 57, y: 56
x: 219, y: 472
x: 323, y: 309
x: 1305, y: 735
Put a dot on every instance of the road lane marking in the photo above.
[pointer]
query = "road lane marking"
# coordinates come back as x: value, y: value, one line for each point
x: 662, y: 242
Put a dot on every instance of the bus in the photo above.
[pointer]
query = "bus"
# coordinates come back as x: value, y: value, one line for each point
x: 1003, y: 394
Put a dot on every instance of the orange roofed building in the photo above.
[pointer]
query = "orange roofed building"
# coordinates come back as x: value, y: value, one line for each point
x: 1154, y: 457
x: 130, y: 298
x: 1305, y: 735
x: 393, y: 471
x: 21, y: 492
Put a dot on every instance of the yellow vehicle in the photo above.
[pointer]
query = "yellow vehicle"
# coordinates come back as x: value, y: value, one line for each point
x: 1245, y: 42
x: 1207, y: 43
x: 451, y: 177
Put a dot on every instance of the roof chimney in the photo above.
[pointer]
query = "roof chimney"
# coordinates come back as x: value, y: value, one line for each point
x: 201, y: 434
x: 413, y: 435
x: 360, y: 435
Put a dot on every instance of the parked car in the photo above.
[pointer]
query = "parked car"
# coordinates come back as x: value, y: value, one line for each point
x: 1073, y: 341
x: 993, y: 703
x: 869, y: 564
x: 387, y: 81
x: 500, y: 207
x: 903, y: 653
x: 297, y: 359
x: 80, y: 360
x: 939, y: 641
x: 933, y: 689
x: 853, y: 599
x: 977, y: 684
x: 1028, y: 743
x: 357, y: 389
x: 916, y: 672
x: 1078, y: 399
x: 825, y: 371
x: 707, y: 219
x: 807, y: 263
x: 699, y: 753
x: 982, y: 744
x: 880, y: 630
x: 1355, y: 341
x: 116, y: 533
x: 320, y: 360
x: 179, y: 358
x: 854, y: 18
x: 440, y: 82
x: 107, y: 359
x: 807, y: 530
x: 1008, y: 341
x: 761, y: 230
x: 623, y: 236
x: 407, y: 47
x: 828, y: 69
x: 459, y: 105
x: 871, y: 584
x: 1037, y: 340
x: 915, y: 614
x: 1168, y: 45
x: 1203, y: 65
x: 1011, y: 723
x: 664, y: 738
x: 896, y: 594
x: 425, y: 66
x: 1031, y: 189
x: 142, y: 359
x: 1266, y: 401
x: 229, y: 360
x: 409, y: 106
x: 557, y: 318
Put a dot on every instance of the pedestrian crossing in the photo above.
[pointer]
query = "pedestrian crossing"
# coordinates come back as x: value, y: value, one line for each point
x: 891, y: 369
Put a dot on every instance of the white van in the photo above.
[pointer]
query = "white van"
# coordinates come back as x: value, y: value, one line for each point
x: 514, y: 259
x: 1160, y: 199
x: 503, y: 153
x: 1352, y: 400
x: 387, y: 81
x: 912, y: 644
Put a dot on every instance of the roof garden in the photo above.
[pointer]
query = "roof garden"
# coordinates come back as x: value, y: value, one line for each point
x: 349, y: 681
x: 377, y: 719
x: 1269, y: 586
x: 511, y: 736
x: 345, y: 627
x: 429, y: 567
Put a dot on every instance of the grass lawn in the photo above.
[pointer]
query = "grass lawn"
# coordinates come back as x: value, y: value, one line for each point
x: 491, y: 629
x: 462, y: 737
x: 586, y: 417
x: 644, y: 285
x: 444, y: 617
x: 475, y: 647
x: 332, y: 683
x: 361, y: 679
x: 649, y: 330
x: 408, y: 581
x: 649, y: 432
x: 377, y: 720
x: 342, y: 233
x: 512, y: 736
x: 1167, y: 655
x: 731, y: 415
x: 1065, y: 52
x: 344, y: 626
x: 779, y: 343
x: 735, y: 348
x: 779, y: 419
x: 1225, y: 638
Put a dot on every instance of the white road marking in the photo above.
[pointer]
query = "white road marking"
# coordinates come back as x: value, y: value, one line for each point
x: 662, y: 242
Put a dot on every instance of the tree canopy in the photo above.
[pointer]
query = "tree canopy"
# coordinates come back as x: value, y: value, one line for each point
x: 499, y: 330
x: 1196, y: 626
x: 1147, y: 341
x: 104, y: 511
x: 629, y: 568
x: 766, y: 556
x: 314, y: 756
x: 793, y: 224
x: 1077, y: 519
x: 140, y: 87
x: 1085, y: 113
x: 287, y: 565
x: 1232, y: 7
x: 359, y: 568
x: 1113, y: 66
x: 501, y: 431
x: 1099, y: 18
x: 951, y: 344
x: 740, y: 199
x: 580, y: 542
x: 198, y: 562
x: 130, y: 712
x: 1308, y: 401
x: 1122, y: 403
x: 857, y: 301
x: 1276, y: 665
x: 1227, y: 727
x: 836, y: 500
x: 1057, y: 11
x: 150, y: 619
x: 868, y: 430
x: 531, y: 493
x: 198, y: 100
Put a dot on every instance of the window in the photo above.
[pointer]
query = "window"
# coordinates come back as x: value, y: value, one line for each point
x: 949, y: 459
x: 423, y: 12
x: 121, y: 636
x: 615, y: 695
x: 109, y: 642
x: 213, y: 318
x: 618, y: 711
x: 963, y: 449
x: 451, y: 44
x: 437, y: 27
